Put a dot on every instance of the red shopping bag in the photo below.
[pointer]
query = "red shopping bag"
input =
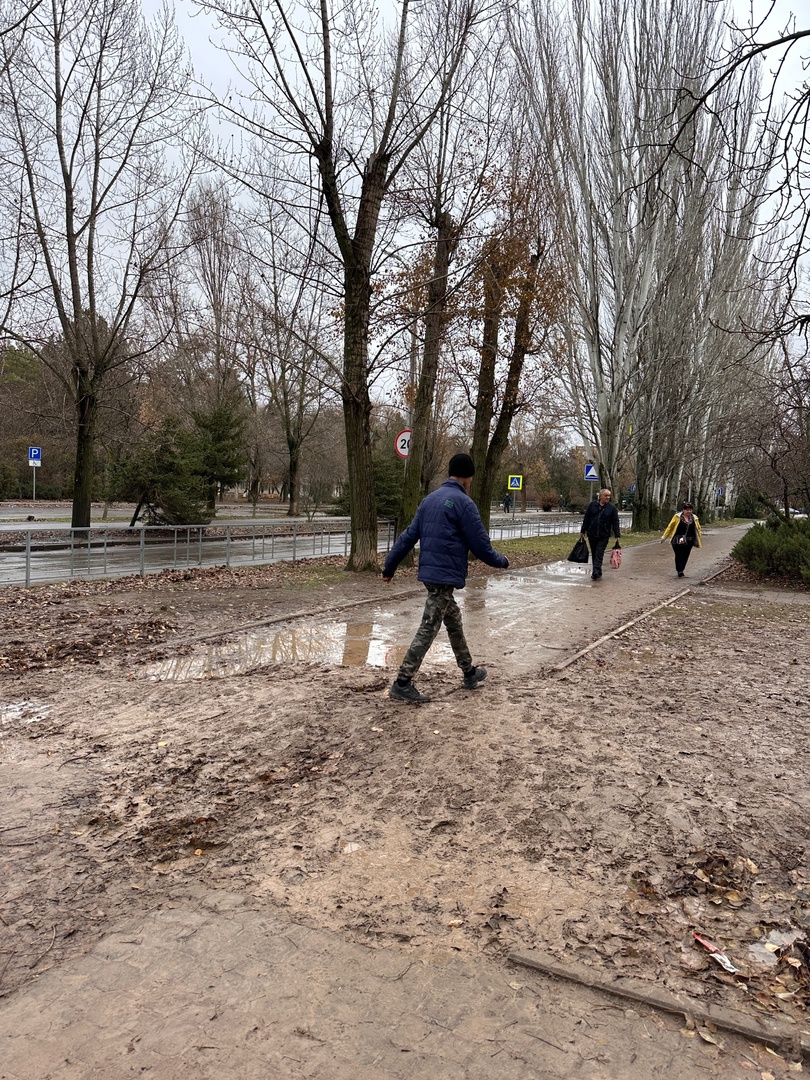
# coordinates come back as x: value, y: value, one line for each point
x: 616, y: 558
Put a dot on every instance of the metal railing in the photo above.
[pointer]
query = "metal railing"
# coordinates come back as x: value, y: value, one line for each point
x: 38, y: 555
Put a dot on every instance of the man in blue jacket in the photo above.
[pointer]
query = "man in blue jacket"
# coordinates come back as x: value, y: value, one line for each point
x: 447, y: 526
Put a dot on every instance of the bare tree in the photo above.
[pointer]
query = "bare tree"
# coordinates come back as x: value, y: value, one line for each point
x: 288, y: 337
x: 764, y: 50
x: 604, y: 99
x: 694, y: 352
x: 219, y: 270
x: 449, y: 184
x: 774, y: 439
x: 96, y: 158
x: 330, y: 85
x: 515, y: 301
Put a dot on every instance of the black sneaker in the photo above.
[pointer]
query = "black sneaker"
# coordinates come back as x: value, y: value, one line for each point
x: 408, y: 693
x: 474, y: 678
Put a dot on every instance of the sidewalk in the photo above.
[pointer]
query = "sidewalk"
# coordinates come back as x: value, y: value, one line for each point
x: 524, y: 619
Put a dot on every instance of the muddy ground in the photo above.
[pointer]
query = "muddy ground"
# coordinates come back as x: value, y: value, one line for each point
x: 604, y: 813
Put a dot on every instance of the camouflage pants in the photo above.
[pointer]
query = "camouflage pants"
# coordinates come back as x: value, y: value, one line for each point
x: 440, y: 607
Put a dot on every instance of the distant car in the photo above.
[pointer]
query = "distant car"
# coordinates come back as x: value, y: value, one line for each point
x: 802, y: 513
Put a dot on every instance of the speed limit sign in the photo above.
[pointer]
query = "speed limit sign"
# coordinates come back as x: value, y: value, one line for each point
x: 402, y: 443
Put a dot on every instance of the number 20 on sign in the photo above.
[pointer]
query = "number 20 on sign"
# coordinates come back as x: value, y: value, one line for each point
x: 402, y: 443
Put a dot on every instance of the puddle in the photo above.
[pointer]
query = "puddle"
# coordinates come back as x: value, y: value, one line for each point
x: 495, y: 608
x: 349, y: 644
x: 23, y: 712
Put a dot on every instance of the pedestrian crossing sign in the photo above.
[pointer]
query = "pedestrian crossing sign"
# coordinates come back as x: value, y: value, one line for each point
x: 591, y: 473
x: 515, y: 483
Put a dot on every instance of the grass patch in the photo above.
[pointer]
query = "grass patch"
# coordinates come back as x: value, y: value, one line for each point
x: 323, y: 575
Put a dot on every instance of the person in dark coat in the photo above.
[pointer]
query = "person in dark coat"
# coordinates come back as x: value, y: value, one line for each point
x: 447, y: 526
x: 601, y: 519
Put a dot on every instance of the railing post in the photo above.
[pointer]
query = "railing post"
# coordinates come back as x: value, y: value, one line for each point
x: 227, y: 545
x: 142, y: 551
x: 28, y: 557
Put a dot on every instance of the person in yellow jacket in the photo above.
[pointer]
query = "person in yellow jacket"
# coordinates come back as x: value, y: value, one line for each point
x: 684, y: 533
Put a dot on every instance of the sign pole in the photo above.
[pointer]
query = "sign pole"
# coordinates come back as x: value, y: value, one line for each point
x: 34, y: 460
x: 514, y: 484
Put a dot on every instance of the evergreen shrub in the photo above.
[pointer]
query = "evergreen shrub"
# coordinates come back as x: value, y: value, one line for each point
x: 9, y: 482
x: 777, y: 550
x: 747, y: 505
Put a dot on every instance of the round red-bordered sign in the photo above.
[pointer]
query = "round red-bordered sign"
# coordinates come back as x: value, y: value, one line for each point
x: 402, y: 443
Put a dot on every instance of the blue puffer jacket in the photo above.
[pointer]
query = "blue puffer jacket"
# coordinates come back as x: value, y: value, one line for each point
x: 447, y: 525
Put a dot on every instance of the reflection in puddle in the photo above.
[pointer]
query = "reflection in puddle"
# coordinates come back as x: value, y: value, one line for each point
x: 349, y: 644
x: 494, y: 608
x: 23, y: 712
x: 575, y: 573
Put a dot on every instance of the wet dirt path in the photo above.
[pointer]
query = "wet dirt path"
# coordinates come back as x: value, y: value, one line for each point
x: 276, y: 871
x: 520, y: 620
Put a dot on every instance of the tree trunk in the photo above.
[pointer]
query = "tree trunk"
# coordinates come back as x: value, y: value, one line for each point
x: 493, y: 303
x: 413, y: 483
x: 500, y: 436
x: 357, y: 418
x: 86, y: 408
x: 294, y: 449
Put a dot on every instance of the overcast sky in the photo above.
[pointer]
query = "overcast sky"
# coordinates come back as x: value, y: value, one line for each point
x: 213, y: 67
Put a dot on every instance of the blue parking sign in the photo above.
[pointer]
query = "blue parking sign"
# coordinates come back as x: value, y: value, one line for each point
x: 34, y: 455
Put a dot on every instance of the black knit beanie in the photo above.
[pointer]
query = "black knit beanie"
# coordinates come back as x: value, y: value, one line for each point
x: 461, y: 465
